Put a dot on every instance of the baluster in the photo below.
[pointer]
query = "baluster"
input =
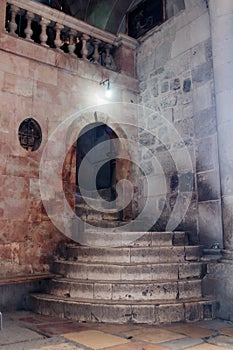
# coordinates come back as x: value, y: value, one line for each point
x: 72, y: 44
x: 108, y: 58
x: 13, y: 25
x: 96, y: 54
x: 85, y: 38
x: 43, y: 35
x: 28, y: 30
x: 57, y: 41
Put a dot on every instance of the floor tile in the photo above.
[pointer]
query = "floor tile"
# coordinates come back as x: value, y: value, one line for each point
x: 16, y: 334
x: 42, y: 319
x: 132, y: 332
x: 227, y: 331
x: 222, y: 340
x: 193, y: 331
x: 157, y: 335
x: 22, y: 328
x: 138, y: 346
x: 181, y: 344
x: 117, y: 328
x: 62, y: 346
x: 56, y: 329
x: 206, y: 347
x: 213, y: 324
x: 95, y: 339
x: 18, y: 314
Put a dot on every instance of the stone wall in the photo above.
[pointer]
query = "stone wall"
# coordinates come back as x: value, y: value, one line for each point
x: 175, y: 72
x: 49, y: 86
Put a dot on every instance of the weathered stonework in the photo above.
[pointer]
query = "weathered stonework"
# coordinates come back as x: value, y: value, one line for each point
x: 175, y: 69
x: 184, y: 71
x: 48, y: 86
x: 155, y: 279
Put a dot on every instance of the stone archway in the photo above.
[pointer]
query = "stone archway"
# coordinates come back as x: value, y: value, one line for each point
x: 97, y: 136
x: 123, y: 167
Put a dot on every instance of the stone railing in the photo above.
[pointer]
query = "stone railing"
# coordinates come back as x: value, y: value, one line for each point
x: 54, y: 29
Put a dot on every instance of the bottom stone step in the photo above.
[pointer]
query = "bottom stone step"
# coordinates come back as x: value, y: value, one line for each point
x: 150, y: 312
x: 126, y: 290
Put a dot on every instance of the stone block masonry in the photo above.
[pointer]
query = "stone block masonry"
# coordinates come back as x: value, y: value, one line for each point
x: 49, y: 86
x: 154, y: 279
x: 175, y: 72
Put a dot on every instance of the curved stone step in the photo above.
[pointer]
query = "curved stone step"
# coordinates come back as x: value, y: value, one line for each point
x: 96, y: 210
x: 88, y: 203
x: 89, y: 214
x: 122, y: 277
x: 97, y: 223
x: 117, y: 237
x: 125, y: 290
x: 154, y: 272
x: 150, y: 312
x: 136, y: 254
x: 82, y: 194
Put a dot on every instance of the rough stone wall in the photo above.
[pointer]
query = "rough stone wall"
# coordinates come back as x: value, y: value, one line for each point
x: 49, y: 86
x: 174, y: 67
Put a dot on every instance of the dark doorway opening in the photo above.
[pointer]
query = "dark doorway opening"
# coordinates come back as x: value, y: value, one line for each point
x: 104, y: 159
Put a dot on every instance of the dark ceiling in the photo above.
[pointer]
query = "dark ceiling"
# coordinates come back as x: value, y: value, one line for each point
x: 105, y: 14
x: 108, y: 15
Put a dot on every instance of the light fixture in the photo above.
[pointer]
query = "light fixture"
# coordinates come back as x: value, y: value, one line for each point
x: 106, y: 83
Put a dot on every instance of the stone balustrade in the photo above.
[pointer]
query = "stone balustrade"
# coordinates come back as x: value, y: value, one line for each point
x: 54, y: 29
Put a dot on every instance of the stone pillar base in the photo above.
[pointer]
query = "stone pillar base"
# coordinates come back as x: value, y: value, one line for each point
x: 218, y: 280
x: 227, y: 256
x: 211, y: 255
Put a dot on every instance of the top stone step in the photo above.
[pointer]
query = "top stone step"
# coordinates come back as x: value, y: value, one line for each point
x: 110, y: 238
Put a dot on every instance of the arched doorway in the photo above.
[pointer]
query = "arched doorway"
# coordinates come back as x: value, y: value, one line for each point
x: 92, y: 135
x: 116, y: 168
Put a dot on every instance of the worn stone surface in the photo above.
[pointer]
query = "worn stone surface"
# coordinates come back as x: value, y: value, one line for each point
x: 147, y: 283
x: 208, y: 186
x: 218, y: 279
x: 206, y: 153
x: 34, y: 85
x: 164, y: 313
x: 202, y: 73
x: 210, y: 211
x: 227, y: 220
x: 184, y: 87
x: 15, y: 296
x: 25, y: 330
x: 205, y: 123
x: 189, y: 289
x: 175, y: 72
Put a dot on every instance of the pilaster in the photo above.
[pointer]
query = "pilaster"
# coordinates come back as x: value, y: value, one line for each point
x: 2, y: 15
x: 221, y: 20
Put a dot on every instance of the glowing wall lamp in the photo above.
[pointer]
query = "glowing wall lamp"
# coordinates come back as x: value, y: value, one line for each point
x: 106, y: 83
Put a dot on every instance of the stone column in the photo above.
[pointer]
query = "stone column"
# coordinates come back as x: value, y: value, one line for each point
x: 2, y: 15
x: 221, y: 20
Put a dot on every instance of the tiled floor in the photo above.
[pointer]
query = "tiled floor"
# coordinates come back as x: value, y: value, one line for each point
x: 27, y: 331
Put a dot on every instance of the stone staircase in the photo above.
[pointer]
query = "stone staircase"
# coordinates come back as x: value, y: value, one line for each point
x: 154, y: 279
x: 90, y: 210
